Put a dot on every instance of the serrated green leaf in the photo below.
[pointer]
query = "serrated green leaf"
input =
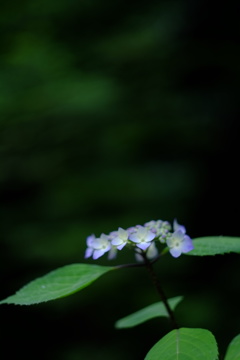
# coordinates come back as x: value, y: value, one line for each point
x: 214, y: 245
x: 185, y: 344
x: 233, y: 350
x: 58, y: 283
x: 149, y: 312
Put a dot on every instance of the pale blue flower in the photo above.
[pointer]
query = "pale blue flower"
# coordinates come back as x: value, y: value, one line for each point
x: 179, y: 243
x: 120, y: 239
x: 97, y: 246
x: 142, y: 237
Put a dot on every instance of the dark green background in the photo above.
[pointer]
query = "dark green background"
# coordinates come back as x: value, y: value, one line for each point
x: 113, y: 113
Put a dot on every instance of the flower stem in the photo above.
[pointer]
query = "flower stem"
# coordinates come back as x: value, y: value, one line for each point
x: 159, y: 289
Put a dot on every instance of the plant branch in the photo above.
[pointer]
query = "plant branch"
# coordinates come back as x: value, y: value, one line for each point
x: 148, y: 264
x: 159, y: 289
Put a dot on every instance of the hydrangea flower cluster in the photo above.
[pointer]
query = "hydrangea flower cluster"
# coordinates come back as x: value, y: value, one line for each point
x: 143, y: 239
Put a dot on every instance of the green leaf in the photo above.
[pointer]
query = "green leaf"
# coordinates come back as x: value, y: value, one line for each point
x: 149, y: 312
x: 58, y: 283
x: 185, y: 344
x: 214, y: 245
x: 233, y: 350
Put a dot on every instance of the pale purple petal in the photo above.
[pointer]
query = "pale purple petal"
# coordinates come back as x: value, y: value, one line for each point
x: 143, y: 246
x: 175, y: 252
x: 187, y: 244
x: 90, y: 240
x: 131, y: 230
x: 88, y: 253
x: 112, y: 235
x: 178, y: 234
x: 120, y: 247
x: 176, y: 227
x: 98, y: 253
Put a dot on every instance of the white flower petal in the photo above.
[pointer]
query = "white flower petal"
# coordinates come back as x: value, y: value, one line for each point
x: 138, y: 257
x: 97, y: 244
x: 152, y: 251
x: 122, y: 233
x: 142, y: 232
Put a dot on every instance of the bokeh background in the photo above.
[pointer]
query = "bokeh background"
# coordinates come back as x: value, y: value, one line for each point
x: 114, y: 113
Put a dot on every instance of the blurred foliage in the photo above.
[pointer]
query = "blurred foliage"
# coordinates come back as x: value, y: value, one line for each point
x: 113, y: 114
